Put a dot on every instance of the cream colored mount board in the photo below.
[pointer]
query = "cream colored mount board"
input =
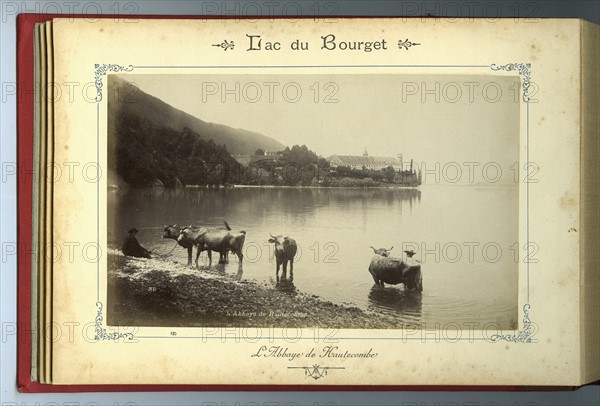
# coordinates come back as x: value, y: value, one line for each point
x: 500, y: 119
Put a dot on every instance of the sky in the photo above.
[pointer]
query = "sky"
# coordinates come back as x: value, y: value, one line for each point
x: 428, y: 118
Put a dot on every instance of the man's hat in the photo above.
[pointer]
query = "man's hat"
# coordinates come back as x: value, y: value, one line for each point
x: 133, y: 230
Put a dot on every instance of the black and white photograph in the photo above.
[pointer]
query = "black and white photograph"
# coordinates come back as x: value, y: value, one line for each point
x: 346, y: 201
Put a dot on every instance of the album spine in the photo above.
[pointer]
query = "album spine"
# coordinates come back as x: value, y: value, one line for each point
x: 590, y: 203
x: 25, y: 127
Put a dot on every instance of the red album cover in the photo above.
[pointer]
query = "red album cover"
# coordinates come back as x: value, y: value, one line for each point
x: 25, y: 133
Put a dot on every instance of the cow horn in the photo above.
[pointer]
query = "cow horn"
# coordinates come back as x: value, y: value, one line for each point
x: 175, y: 225
x: 272, y: 236
x: 391, y: 248
x: 374, y: 250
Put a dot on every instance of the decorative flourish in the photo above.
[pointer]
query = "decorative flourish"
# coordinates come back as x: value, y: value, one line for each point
x: 523, y: 336
x: 406, y: 44
x: 102, y: 70
x: 225, y: 45
x: 101, y: 333
x: 524, y: 70
x: 316, y: 371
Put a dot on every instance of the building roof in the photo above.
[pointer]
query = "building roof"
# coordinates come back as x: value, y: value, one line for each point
x: 243, y: 159
x: 357, y: 160
x: 251, y: 159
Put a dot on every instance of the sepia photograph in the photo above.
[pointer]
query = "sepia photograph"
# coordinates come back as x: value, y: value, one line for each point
x: 346, y: 201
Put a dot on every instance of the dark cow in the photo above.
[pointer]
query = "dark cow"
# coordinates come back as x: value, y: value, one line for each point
x: 219, y: 240
x: 285, y: 250
x: 174, y: 231
x: 386, y: 269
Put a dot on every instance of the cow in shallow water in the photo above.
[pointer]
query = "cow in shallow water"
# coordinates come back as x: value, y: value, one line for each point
x: 285, y: 250
x: 385, y: 269
x: 219, y: 240
x: 174, y: 232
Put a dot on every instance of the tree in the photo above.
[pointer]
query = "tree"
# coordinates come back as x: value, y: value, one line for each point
x: 323, y: 163
x: 389, y: 173
x: 259, y: 151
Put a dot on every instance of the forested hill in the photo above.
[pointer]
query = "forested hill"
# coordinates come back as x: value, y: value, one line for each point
x: 155, y: 111
x: 153, y: 144
x: 143, y: 154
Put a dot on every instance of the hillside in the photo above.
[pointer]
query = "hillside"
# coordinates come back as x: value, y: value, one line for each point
x: 154, y: 111
x: 142, y: 154
x: 151, y: 143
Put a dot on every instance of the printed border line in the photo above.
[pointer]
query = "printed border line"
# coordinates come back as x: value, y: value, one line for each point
x: 100, y: 70
x: 524, y: 71
x: 325, y: 341
x: 527, y: 191
x: 98, y: 199
x: 299, y: 66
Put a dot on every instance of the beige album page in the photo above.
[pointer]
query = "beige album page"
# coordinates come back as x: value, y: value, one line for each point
x: 398, y: 200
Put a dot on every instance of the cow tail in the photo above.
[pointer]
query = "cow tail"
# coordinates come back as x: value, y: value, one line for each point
x: 227, y: 225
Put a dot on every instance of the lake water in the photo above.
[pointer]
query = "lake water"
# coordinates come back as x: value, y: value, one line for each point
x: 464, y: 236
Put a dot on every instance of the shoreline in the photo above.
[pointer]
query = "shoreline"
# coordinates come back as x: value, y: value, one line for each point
x: 240, y: 186
x: 321, y: 187
x: 161, y: 292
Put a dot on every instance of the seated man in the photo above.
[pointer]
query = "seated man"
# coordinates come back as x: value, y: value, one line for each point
x: 131, y: 246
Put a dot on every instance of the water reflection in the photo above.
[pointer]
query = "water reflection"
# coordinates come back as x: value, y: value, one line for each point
x: 153, y: 207
x: 239, y: 274
x: 221, y: 268
x: 286, y: 285
x: 397, y: 301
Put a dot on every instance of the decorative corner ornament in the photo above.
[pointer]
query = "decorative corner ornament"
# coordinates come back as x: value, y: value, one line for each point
x: 316, y: 372
x: 406, y: 44
x: 524, y: 69
x: 101, y: 333
x: 225, y: 45
x: 523, y: 336
x: 102, y: 70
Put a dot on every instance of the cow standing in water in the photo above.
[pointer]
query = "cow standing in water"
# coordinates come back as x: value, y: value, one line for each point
x: 219, y: 240
x: 174, y: 232
x: 385, y: 269
x: 285, y: 250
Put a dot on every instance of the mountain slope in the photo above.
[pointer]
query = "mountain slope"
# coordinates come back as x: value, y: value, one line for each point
x: 156, y: 112
x: 143, y: 154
